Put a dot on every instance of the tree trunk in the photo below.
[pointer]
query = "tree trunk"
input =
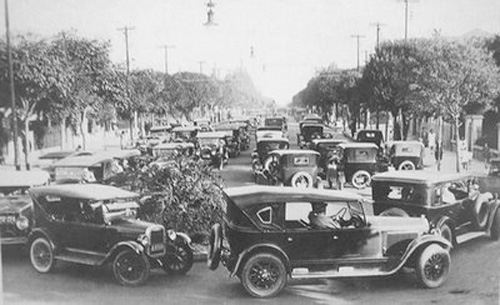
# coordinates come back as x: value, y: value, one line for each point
x: 439, y: 146
x: 83, y: 120
x: 458, y: 146
x: 26, y: 144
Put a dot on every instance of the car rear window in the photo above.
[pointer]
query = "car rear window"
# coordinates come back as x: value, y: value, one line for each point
x: 407, y: 193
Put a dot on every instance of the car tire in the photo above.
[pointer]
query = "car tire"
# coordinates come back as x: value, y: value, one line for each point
x: 180, y: 261
x: 495, y: 226
x: 131, y: 268
x: 447, y: 233
x: 433, y: 266
x: 394, y: 212
x: 480, y: 213
x: 42, y: 255
x: 361, y: 179
x: 264, y: 275
x: 406, y: 165
x: 214, y: 247
x: 301, y: 179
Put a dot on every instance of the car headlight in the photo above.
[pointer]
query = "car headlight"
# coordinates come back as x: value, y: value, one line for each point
x: 171, y: 234
x: 143, y: 239
x: 22, y: 223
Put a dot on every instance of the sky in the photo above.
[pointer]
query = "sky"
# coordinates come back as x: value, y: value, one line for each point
x: 291, y: 39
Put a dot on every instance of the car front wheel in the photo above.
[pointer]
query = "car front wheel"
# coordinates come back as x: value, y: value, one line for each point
x: 264, y: 275
x: 433, y: 266
x: 361, y: 179
x: 131, y: 268
x: 42, y: 255
x: 180, y: 261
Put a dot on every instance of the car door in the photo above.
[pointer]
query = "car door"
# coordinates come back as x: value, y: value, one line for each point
x: 445, y: 204
x: 88, y: 231
x: 305, y: 244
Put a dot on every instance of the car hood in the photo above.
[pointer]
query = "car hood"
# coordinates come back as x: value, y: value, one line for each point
x: 400, y: 224
x: 14, y: 204
x: 130, y: 226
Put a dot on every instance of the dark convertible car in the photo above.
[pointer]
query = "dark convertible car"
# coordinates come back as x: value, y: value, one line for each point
x: 268, y: 236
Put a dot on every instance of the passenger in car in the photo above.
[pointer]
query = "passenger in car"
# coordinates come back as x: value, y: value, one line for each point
x: 319, y: 220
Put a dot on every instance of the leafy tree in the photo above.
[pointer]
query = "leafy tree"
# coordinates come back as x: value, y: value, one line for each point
x: 455, y: 76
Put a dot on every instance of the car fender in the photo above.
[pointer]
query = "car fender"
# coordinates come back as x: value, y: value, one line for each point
x: 417, y: 244
x: 443, y: 220
x: 184, y: 238
x: 260, y: 247
x: 133, y: 245
x: 42, y: 232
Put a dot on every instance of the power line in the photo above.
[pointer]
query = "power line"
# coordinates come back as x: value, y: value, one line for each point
x: 166, y: 47
x: 378, y: 25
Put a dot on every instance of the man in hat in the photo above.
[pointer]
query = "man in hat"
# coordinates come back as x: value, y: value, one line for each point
x: 318, y: 218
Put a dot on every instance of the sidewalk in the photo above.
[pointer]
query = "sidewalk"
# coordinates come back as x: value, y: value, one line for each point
x: 448, y: 164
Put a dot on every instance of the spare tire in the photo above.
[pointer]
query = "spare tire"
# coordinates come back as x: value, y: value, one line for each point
x: 214, y: 247
x: 302, y: 180
x: 406, y: 165
x: 361, y: 179
x: 480, y: 211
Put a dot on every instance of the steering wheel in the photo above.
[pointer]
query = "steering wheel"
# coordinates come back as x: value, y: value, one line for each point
x: 339, y: 216
x: 356, y: 221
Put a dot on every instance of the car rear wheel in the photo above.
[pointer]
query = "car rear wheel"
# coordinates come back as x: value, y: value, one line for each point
x: 361, y: 179
x: 264, y: 275
x: 42, y: 255
x: 214, y: 247
x: 301, y: 180
x: 394, y: 212
x: 406, y: 165
x: 433, y: 266
x: 180, y: 261
x: 131, y: 268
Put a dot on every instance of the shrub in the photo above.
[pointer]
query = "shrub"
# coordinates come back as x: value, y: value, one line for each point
x: 185, y: 194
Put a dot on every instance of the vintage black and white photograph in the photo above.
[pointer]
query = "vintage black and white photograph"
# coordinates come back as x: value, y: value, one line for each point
x: 249, y: 151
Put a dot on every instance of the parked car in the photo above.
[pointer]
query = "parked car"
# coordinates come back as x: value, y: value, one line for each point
x: 269, y: 131
x: 94, y: 224
x: 161, y: 131
x: 453, y: 203
x: 264, y: 147
x: 371, y: 136
x: 309, y: 132
x: 358, y: 162
x: 213, y: 148
x: 266, y: 238
x: 167, y: 149
x: 16, y: 207
x: 312, y: 118
x: 46, y: 161
x: 289, y: 167
x: 92, y: 168
x: 185, y: 134
x: 406, y: 155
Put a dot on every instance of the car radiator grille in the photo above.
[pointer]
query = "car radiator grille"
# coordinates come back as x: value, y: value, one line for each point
x: 157, y: 240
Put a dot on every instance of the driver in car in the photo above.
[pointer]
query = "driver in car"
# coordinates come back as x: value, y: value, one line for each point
x: 318, y: 218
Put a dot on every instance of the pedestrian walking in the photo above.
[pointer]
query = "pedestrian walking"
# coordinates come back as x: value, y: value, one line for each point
x: 431, y: 139
x: 486, y: 155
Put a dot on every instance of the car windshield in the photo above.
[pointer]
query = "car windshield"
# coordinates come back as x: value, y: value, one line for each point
x: 208, y: 141
x: 359, y: 155
x: 117, y: 209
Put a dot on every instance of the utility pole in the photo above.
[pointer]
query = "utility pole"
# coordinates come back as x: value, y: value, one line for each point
x: 378, y: 25
x: 201, y: 62
x: 406, y: 16
x: 125, y: 31
x: 12, y: 91
x: 357, y: 36
x: 166, y: 47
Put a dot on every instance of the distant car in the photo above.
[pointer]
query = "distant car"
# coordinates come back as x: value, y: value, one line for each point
x: 266, y: 238
x: 213, y: 148
x: 329, y: 159
x: 264, y: 147
x: 185, y: 133
x: 94, y: 224
x: 268, y: 132
x: 371, y: 136
x: 290, y: 167
x: 16, y: 206
x: 309, y: 132
x: 453, y: 203
x: 279, y: 121
x: 406, y: 155
x: 359, y: 162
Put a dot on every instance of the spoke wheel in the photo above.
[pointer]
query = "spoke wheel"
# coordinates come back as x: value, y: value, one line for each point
x: 131, y: 268
x: 264, y: 275
x: 301, y: 180
x: 42, y: 255
x: 433, y: 266
x: 179, y: 262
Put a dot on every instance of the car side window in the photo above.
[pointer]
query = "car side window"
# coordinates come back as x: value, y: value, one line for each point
x: 265, y: 215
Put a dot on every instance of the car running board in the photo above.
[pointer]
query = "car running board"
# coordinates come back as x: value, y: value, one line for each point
x: 469, y: 236
x: 342, y: 271
x: 81, y: 257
